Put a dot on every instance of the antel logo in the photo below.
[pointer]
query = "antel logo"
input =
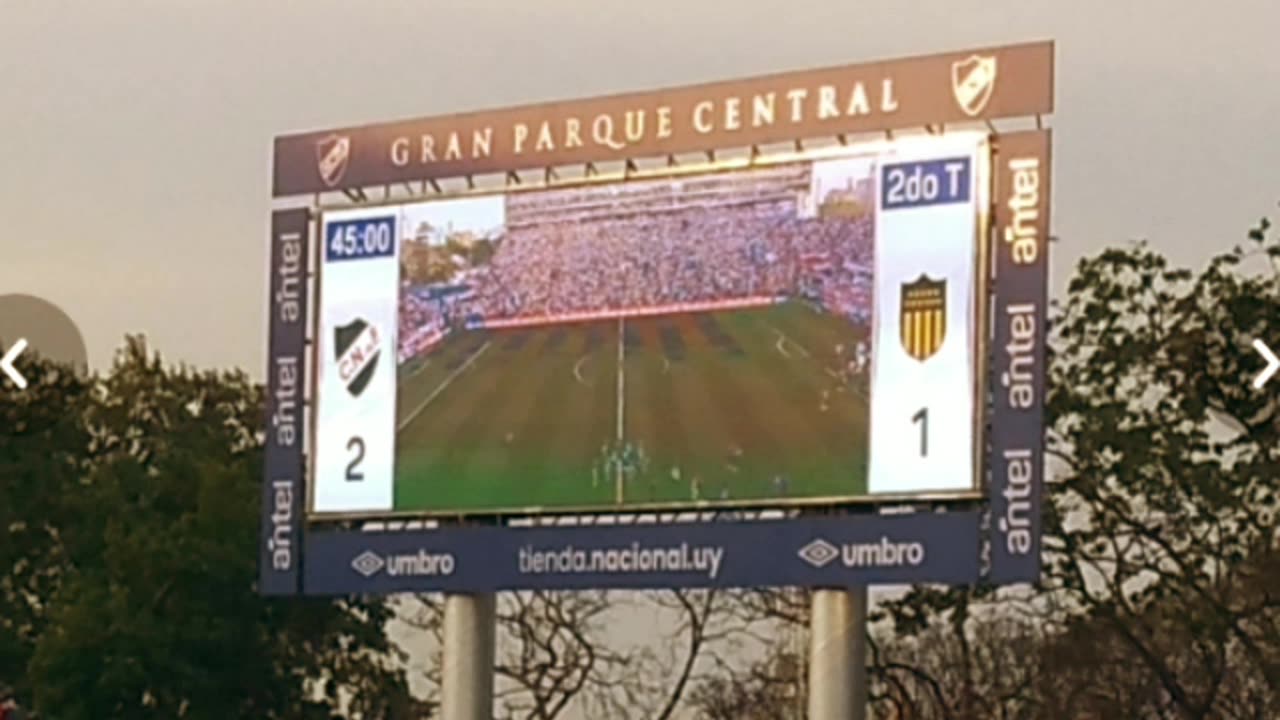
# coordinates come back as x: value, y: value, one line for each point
x: 819, y: 553
x: 367, y: 563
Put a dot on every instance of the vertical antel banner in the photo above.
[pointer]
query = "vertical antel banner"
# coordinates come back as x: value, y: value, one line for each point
x: 1021, y: 249
x: 283, y: 483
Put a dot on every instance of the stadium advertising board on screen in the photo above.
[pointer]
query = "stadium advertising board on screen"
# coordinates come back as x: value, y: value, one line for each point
x: 799, y: 329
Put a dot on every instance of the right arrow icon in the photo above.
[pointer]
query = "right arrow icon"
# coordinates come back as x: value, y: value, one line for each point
x: 1273, y: 364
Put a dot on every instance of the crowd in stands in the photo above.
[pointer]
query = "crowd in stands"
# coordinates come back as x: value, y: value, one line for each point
x: 830, y: 261
x: 417, y: 311
x: 623, y: 248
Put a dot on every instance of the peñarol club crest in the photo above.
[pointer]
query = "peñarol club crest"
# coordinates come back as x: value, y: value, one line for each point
x: 356, y: 347
x: 923, y: 316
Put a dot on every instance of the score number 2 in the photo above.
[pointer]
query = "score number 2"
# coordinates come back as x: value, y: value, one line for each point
x: 922, y: 418
x: 354, y: 473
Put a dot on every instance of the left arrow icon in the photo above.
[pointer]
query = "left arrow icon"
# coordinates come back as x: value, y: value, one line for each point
x: 1273, y: 364
x: 6, y: 363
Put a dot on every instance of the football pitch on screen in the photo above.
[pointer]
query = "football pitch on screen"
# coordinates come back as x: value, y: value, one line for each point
x: 719, y: 407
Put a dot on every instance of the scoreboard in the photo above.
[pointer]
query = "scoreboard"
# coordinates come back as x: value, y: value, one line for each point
x: 630, y: 352
x: 414, y: 412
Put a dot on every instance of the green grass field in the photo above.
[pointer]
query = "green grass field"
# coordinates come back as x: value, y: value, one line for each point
x: 725, y: 407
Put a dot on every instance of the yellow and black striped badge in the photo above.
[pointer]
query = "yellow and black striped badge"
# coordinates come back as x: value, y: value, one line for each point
x: 923, y: 316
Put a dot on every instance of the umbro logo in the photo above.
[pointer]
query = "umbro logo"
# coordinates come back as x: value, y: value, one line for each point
x: 368, y: 563
x: 819, y: 553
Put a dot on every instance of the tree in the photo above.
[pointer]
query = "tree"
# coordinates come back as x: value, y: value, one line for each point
x: 766, y: 689
x: 556, y: 653
x: 1166, y: 496
x: 768, y: 678
x: 143, y: 604
x: 551, y: 646
x: 42, y: 452
x: 659, y: 678
x: 482, y: 251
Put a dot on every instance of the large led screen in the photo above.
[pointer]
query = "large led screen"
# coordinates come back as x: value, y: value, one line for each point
x: 801, y: 330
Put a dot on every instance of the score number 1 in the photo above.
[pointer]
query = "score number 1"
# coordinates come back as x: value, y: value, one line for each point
x: 922, y: 418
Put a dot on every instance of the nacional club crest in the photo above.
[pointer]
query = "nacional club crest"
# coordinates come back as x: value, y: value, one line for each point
x: 972, y: 82
x: 332, y: 154
x: 356, y: 347
x: 923, y: 316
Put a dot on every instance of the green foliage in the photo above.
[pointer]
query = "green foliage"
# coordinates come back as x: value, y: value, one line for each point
x: 131, y: 503
x: 41, y: 456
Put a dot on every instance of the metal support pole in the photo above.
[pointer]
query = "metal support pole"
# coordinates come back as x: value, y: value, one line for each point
x: 470, y: 622
x: 838, y: 655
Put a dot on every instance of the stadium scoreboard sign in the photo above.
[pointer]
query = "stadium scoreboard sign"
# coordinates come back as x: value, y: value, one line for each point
x: 588, y: 370
x: 991, y: 83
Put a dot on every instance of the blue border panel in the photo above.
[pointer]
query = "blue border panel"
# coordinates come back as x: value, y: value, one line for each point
x: 811, y: 552
x: 1011, y: 552
x: 279, y: 542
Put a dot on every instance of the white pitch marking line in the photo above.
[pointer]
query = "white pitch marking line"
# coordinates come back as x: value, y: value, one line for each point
x: 447, y: 382
x: 418, y: 370
x: 621, y: 400
x: 783, y: 337
x: 781, y: 346
x: 577, y: 370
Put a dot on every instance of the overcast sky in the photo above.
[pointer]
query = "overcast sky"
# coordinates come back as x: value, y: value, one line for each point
x: 134, y: 157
